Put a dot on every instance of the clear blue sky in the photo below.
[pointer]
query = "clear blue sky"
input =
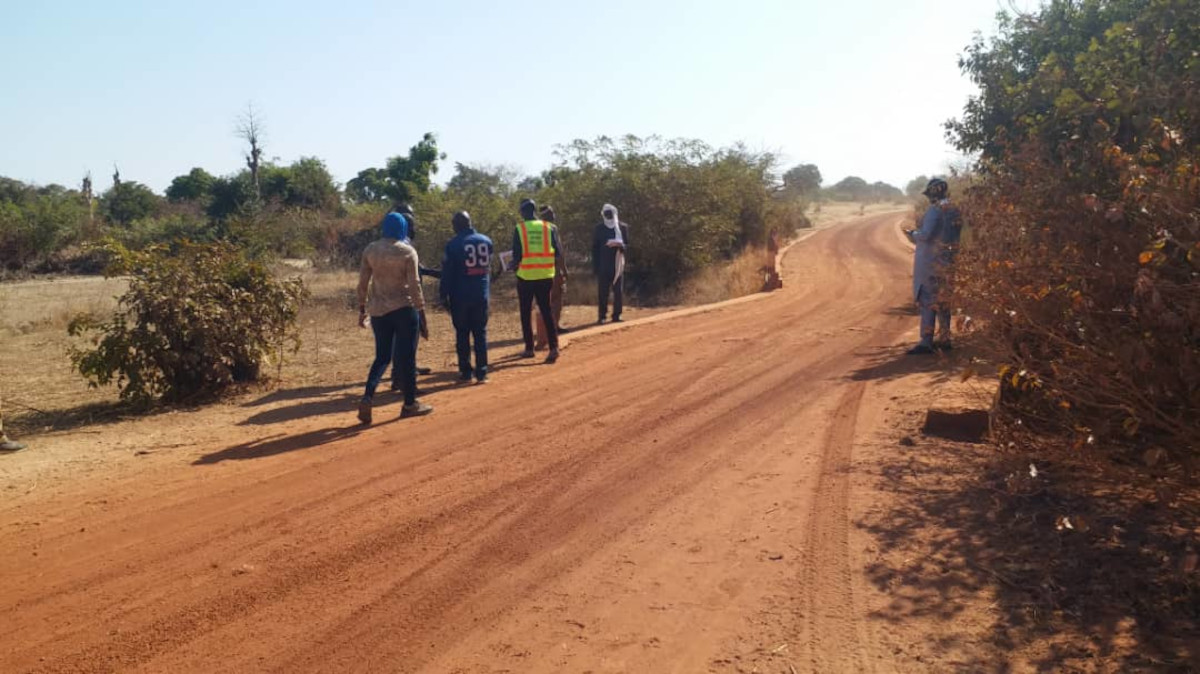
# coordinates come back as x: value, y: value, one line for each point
x: 857, y: 87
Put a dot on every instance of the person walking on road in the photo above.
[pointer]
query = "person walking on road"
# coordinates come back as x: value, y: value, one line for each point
x: 410, y: 235
x: 558, y: 289
x: 465, y: 287
x: 937, y: 245
x: 536, y: 255
x: 389, y: 291
x: 409, y: 238
x: 610, y: 241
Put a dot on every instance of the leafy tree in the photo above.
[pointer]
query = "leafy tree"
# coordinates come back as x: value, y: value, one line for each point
x: 37, y: 222
x: 404, y: 176
x: 532, y: 184
x: 413, y: 173
x: 498, y: 181
x: 689, y: 205
x: 369, y: 186
x: 802, y: 181
x: 881, y: 191
x: 196, y: 185
x: 193, y: 321
x: 1083, y: 72
x: 306, y: 183
x: 489, y: 193
x: 171, y: 228
x: 851, y: 188
x: 312, y: 186
x: 14, y: 191
x: 915, y: 186
x: 127, y: 201
x: 231, y: 195
x: 274, y: 182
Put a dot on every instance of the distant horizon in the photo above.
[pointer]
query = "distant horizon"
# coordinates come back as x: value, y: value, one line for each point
x: 163, y: 86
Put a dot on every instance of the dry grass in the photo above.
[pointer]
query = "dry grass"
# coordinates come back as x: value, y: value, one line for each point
x: 581, y: 289
x: 834, y: 211
x: 744, y: 275
x: 32, y: 306
x: 38, y: 381
x: 41, y: 392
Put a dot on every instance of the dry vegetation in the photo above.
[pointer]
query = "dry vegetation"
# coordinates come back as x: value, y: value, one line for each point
x: 826, y: 213
x: 41, y: 393
x: 743, y: 275
x: 38, y: 380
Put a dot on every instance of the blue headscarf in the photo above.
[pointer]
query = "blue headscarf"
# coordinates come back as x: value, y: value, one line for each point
x: 395, y: 226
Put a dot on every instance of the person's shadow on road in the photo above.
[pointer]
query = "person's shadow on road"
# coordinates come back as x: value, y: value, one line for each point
x: 891, y: 362
x: 280, y: 444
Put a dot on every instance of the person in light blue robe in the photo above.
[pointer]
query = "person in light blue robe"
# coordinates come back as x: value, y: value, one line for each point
x: 937, y: 245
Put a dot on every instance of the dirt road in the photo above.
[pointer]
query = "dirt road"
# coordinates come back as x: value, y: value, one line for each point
x: 671, y: 497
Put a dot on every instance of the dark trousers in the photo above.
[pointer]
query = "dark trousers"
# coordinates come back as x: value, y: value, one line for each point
x: 933, y: 314
x: 395, y: 339
x: 618, y: 292
x: 397, y: 378
x: 470, y: 321
x: 527, y: 292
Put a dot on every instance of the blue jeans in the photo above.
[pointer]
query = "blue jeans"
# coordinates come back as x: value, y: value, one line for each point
x: 395, y: 338
x: 470, y: 321
x: 932, y: 313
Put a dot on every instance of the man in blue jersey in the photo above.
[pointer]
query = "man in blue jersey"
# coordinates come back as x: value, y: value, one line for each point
x: 465, y: 287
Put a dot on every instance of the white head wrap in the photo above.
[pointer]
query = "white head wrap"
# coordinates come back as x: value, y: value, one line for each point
x: 614, y: 222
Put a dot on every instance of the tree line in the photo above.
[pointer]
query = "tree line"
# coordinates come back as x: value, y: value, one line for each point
x: 692, y: 204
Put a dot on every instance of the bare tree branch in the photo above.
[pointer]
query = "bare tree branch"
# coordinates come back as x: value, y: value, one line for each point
x: 250, y: 128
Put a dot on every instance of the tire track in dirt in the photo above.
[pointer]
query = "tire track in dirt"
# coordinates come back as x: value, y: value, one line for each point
x: 191, y: 621
x: 831, y: 623
x: 550, y: 519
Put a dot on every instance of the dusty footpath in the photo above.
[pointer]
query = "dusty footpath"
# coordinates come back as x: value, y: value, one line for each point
x: 683, y: 495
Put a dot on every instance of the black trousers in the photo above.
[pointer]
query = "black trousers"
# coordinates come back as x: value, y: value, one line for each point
x: 527, y: 292
x: 618, y: 293
x: 470, y: 320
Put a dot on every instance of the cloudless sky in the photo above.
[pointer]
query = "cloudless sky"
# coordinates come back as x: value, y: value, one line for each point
x: 858, y: 87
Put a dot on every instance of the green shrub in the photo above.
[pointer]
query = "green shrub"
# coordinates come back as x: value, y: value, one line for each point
x: 167, y: 229
x: 689, y: 206
x: 37, y: 223
x: 128, y: 201
x: 191, y: 323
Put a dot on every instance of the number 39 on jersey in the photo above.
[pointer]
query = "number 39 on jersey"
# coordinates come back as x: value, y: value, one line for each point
x: 478, y: 258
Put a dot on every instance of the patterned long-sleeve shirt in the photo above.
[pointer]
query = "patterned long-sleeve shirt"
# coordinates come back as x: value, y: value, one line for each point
x: 388, y: 278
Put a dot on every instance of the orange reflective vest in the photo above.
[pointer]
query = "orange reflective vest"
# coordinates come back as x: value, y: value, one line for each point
x: 537, y: 251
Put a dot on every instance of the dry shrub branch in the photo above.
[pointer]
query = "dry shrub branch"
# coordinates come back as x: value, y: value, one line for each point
x: 1083, y: 255
x: 1092, y: 304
